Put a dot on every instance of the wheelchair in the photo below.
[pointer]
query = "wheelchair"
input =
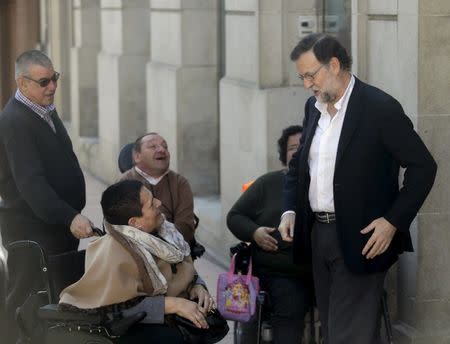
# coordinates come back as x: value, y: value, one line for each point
x: 263, y: 329
x: 312, y: 334
x: 41, y: 320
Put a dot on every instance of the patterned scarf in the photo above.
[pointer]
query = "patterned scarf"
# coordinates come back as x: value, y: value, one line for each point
x: 166, y: 243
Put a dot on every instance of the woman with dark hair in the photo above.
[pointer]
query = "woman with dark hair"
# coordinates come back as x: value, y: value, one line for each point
x: 254, y: 218
x: 142, y: 263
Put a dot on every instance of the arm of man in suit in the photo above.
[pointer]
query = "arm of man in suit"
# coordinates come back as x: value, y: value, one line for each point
x: 290, y: 196
x: 290, y: 189
x: 404, y: 144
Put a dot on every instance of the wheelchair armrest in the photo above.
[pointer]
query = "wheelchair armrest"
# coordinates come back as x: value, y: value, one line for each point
x: 52, y: 313
x: 119, y: 327
x: 113, y: 328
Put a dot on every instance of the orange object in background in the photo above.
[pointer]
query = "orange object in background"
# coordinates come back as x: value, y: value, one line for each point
x: 246, y: 185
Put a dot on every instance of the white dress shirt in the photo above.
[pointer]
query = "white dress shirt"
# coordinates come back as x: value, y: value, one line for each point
x: 322, y: 154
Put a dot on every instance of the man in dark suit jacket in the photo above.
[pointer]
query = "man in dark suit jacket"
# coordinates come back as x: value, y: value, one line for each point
x: 42, y: 187
x: 342, y: 201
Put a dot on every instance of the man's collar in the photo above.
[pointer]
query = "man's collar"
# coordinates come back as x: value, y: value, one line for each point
x: 322, y: 107
x: 39, y: 109
x: 149, y: 178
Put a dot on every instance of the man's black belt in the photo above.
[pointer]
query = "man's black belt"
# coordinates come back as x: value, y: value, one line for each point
x: 325, y: 217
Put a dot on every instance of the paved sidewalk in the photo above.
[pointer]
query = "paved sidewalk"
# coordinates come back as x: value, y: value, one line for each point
x: 205, y: 267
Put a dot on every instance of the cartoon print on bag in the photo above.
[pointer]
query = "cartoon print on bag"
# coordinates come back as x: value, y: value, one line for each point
x: 237, y: 297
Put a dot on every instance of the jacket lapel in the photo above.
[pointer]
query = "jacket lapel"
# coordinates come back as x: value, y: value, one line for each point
x: 309, y: 132
x: 351, y: 120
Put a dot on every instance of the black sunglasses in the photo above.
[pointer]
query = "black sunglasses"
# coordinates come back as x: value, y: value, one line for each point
x: 45, y: 81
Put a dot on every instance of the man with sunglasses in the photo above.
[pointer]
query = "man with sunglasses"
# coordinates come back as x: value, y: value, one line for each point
x: 343, y: 205
x: 42, y: 187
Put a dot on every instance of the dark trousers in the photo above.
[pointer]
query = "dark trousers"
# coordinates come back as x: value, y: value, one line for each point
x: 349, y: 304
x: 289, y: 301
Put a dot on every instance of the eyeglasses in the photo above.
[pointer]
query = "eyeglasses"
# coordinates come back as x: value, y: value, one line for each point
x: 44, y: 81
x: 310, y: 76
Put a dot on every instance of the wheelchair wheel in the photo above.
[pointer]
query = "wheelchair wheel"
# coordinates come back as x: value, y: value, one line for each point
x: 236, y: 332
x: 244, y: 333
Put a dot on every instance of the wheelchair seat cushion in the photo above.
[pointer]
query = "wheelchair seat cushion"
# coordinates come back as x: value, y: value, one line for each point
x: 53, y: 312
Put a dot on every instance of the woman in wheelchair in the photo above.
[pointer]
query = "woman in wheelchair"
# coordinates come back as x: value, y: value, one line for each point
x: 141, y: 264
x: 254, y: 218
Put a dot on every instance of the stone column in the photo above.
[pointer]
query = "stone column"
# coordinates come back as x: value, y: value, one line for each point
x: 403, y: 47
x: 428, y: 309
x: 59, y: 31
x: 86, y: 46
x: 121, y: 79
x: 182, y: 78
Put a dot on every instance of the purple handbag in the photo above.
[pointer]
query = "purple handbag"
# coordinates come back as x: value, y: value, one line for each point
x: 236, y: 293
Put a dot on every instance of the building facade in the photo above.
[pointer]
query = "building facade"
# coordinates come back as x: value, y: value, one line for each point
x: 214, y: 78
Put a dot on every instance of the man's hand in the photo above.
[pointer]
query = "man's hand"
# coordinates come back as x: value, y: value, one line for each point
x: 381, y: 238
x: 286, y: 227
x: 81, y: 227
x: 264, y: 240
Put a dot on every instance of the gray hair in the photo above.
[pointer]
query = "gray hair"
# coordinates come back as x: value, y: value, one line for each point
x: 29, y: 58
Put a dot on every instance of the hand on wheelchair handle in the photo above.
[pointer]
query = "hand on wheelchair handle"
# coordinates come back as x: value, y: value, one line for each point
x: 81, y: 227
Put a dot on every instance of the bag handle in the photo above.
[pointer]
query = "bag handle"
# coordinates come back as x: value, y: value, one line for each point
x: 233, y: 265
x: 249, y: 272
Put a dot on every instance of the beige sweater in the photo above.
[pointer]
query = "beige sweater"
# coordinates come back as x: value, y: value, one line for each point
x: 113, y: 274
